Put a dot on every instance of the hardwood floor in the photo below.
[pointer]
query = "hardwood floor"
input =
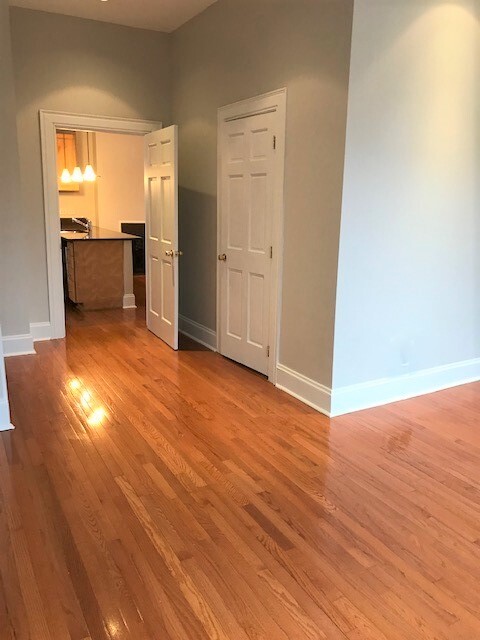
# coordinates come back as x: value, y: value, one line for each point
x: 147, y: 494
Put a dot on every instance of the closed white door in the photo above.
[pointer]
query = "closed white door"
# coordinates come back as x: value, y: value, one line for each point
x: 161, y: 197
x: 247, y: 168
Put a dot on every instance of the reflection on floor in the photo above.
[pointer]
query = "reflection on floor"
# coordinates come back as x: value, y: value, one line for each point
x: 148, y: 494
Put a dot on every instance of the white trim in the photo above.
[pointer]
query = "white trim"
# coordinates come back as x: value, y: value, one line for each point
x: 23, y: 344
x: 50, y: 121
x: 5, y: 423
x: 275, y: 101
x: 308, y: 391
x: 377, y: 393
x: 19, y: 345
x: 198, y: 332
x: 129, y: 301
x: 41, y: 331
x: 380, y: 392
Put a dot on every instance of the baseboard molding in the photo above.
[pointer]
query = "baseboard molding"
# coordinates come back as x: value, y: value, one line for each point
x: 20, y: 345
x: 41, y: 331
x: 381, y: 392
x: 312, y: 393
x: 345, y: 400
x: 129, y: 301
x: 199, y: 333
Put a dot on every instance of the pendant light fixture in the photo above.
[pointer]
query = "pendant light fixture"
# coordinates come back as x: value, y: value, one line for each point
x: 66, y: 177
x: 89, y: 174
x: 77, y: 175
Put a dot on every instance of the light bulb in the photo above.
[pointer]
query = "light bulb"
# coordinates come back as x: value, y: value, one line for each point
x: 89, y: 174
x: 66, y: 177
x: 77, y: 175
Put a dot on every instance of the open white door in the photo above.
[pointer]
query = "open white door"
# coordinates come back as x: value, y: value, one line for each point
x: 161, y: 197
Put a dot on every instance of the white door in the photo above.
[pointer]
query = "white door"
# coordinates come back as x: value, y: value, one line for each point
x: 161, y: 197
x: 247, y: 168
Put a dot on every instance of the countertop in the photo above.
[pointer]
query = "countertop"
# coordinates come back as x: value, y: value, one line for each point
x: 96, y: 233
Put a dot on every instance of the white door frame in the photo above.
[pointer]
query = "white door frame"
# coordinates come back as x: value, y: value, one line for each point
x: 273, y: 102
x: 5, y: 423
x: 50, y: 121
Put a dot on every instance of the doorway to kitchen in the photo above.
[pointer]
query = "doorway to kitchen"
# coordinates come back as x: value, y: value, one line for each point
x: 97, y: 250
x: 102, y: 219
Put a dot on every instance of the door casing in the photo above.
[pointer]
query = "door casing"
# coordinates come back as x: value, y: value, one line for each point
x: 273, y: 102
x: 50, y: 121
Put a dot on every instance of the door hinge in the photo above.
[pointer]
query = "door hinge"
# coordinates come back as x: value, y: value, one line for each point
x: 268, y: 352
x: 271, y: 253
x: 274, y: 143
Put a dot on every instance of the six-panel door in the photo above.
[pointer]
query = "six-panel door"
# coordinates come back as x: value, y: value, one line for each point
x: 161, y: 196
x: 247, y: 167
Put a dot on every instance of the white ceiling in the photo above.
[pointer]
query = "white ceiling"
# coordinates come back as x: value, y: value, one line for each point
x: 160, y: 15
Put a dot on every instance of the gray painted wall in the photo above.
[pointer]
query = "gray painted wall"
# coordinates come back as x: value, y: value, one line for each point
x: 237, y: 50
x: 81, y: 66
x: 409, y: 270
x: 13, y: 256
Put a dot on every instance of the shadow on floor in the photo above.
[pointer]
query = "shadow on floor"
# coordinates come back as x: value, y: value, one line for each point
x: 187, y: 344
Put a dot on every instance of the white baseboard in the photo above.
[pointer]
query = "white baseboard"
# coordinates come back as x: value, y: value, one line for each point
x: 41, y: 331
x: 199, y: 333
x: 21, y: 345
x: 129, y: 301
x: 344, y: 400
x: 312, y: 393
x: 380, y: 392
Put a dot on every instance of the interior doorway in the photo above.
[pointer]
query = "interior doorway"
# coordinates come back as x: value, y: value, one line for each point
x: 100, y: 187
x: 251, y: 159
x: 160, y: 187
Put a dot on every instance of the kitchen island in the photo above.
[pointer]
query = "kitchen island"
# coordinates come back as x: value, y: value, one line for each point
x: 98, y: 268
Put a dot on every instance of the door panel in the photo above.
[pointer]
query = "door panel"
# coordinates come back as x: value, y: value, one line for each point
x: 167, y: 292
x: 161, y: 182
x: 234, y: 310
x: 258, y: 212
x: 246, y: 215
x: 154, y: 288
x: 255, y: 309
x: 236, y: 209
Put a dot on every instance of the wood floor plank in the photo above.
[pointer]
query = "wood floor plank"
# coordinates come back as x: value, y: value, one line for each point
x: 148, y: 494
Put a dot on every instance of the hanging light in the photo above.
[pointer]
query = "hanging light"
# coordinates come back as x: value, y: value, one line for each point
x: 77, y: 175
x: 66, y: 177
x: 89, y: 174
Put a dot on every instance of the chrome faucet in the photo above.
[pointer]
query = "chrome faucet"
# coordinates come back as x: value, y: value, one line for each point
x: 86, y: 225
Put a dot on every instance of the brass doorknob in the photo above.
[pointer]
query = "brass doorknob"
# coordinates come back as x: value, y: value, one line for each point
x: 222, y: 257
x: 170, y: 253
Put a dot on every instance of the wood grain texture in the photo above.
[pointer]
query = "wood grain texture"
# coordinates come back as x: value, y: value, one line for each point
x: 147, y: 494
x: 95, y: 273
